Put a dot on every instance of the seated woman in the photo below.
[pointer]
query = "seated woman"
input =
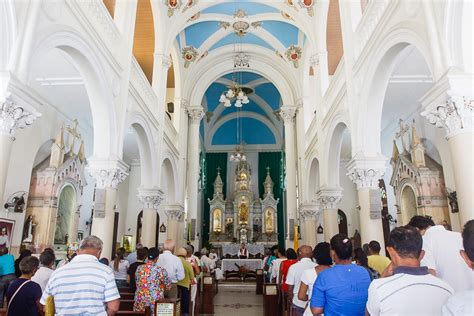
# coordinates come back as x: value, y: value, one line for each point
x: 120, y: 267
x: 322, y: 255
x: 343, y: 289
x: 152, y: 282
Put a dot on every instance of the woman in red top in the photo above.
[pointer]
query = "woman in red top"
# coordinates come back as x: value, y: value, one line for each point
x: 292, y: 258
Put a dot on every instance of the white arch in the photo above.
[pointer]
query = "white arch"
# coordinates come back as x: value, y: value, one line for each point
x: 312, y: 180
x: 169, y: 179
x: 145, y: 147
x: 218, y: 63
x: 8, y: 31
x: 221, y: 121
x: 367, y: 131
x: 98, y: 88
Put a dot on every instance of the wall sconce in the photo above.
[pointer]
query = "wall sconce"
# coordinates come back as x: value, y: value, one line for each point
x: 163, y: 228
x: 390, y: 219
x: 358, y: 208
x: 320, y: 229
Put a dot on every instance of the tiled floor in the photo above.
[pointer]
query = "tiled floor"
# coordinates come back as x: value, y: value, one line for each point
x: 237, y: 299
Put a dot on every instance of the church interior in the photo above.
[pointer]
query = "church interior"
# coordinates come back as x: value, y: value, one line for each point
x: 226, y: 123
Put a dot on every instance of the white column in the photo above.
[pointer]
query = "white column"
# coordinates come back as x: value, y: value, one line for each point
x: 175, y: 214
x: 457, y: 117
x: 195, y: 113
x: 12, y: 117
x: 108, y: 175
x: 309, y: 214
x: 329, y: 200
x: 151, y: 199
x: 366, y: 173
x: 288, y: 114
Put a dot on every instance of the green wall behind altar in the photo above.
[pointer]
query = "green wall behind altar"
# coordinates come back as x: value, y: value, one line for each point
x: 212, y: 161
x: 274, y: 160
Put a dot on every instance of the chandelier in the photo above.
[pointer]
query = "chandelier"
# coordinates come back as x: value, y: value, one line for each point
x: 235, y: 93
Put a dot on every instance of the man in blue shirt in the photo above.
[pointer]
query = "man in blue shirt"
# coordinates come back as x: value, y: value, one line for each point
x: 342, y: 289
x: 7, y: 271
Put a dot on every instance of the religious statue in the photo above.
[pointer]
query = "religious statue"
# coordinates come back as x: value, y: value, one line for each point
x: 243, y: 213
x: 217, y: 220
x: 27, y: 236
x: 268, y: 221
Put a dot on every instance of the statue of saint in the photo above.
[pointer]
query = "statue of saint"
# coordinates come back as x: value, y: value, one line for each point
x: 243, y: 213
x: 217, y: 220
x: 269, y: 221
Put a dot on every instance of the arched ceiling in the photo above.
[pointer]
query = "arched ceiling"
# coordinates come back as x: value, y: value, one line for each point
x: 257, y: 120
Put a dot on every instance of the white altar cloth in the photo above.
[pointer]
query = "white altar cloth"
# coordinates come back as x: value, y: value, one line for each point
x: 251, y: 264
x: 233, y: 249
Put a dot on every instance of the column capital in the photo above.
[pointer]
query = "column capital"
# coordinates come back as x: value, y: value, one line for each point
x: 329, y: 198
x: 366, y: 172
x: 182, y: 102
x: 309, y: 211
x: 195, y: 113
x: 107, y: 173
x: 174, y: 212
x: 14, y: 116
x: 150, y: 198
x: 288, y: 113
x: 456, y: 115
x: 165, y: 60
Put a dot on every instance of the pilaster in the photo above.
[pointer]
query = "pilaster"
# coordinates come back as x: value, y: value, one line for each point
x: 329, y: 198
x: 150, y: 198
x: 366, y: 172
x: 108, y: 173
x: 195, y: 113
x: 14, y: 116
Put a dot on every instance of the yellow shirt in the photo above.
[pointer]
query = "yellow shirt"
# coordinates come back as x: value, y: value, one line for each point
x: 188, y: 273
x: 378, y: 263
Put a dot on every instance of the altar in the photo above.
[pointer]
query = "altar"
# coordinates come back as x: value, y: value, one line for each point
x: 248, y: 264
x: 243, y: 217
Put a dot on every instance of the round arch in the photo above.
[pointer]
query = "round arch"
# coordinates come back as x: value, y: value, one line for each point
x: 372, y: 95
x: 313, y: 179
x: 99, y: 91
x: 168, y: 183
x: 145, y: 148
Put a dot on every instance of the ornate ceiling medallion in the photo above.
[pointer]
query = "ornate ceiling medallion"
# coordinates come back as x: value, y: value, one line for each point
x: 172, y: 6
x: 241, y: 28
x: 293, y: 53
x: 241, y: 60
x: 189, y: 54
x: 308, y: 5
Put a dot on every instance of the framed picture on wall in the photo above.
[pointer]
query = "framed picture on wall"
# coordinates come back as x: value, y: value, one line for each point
x: 127, y: 243
x: 6, y: 232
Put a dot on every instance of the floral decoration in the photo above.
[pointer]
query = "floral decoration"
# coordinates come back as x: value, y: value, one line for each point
x: 189, y: 54
x: 293, y: 53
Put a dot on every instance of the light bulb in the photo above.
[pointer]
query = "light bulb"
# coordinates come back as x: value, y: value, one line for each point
x: 230, y: 93
x: 245, y: 100
x: 222, y: 98
x: 244, y: 158
x: 240, y: 95
x: 227, y: 103
x: 238, y: 104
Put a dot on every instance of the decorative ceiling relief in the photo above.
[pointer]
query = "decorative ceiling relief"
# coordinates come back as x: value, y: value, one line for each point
x: 241, y: 27
x: 189, y: 4
x: 256, y: 24
x: 195, y: 17
x: 286, y: 16
x: 172, y: 5
x: 308, y: 5
x: 293, y: 53
x: 189, y: 54
x: 224, y: 25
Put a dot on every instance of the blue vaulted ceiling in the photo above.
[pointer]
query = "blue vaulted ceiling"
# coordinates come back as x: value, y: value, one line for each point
x: 258, y: 116
x: 282, y: 34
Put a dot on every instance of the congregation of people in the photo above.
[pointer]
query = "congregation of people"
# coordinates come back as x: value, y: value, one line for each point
x: 428, y: 270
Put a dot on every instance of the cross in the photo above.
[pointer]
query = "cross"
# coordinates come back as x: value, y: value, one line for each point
x: 73, y: 131
x: 268, y: 170
x: 401, y: 134
x: 218, y: 170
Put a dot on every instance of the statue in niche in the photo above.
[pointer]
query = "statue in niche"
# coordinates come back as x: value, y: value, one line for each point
x: 269, y: 221
x: 67, y: 201
x: 217, y: 221
x: 243, y: 213
x: 28, y: 230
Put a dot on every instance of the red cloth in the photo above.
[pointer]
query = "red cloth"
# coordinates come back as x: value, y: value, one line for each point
x: 285, y: 265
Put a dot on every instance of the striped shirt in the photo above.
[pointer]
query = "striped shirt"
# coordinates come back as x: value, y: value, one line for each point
x: 410, y: 291
x: 81, y: 287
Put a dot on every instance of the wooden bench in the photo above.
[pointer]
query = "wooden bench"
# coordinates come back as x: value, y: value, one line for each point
x: 126, y: 305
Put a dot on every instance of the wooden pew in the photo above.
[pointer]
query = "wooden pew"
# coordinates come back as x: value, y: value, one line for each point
x: 126, y: 305
x: 270, y: 300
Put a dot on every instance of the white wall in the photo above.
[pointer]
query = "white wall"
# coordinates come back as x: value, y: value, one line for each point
x: 133, y: 205
x: 349, y: 200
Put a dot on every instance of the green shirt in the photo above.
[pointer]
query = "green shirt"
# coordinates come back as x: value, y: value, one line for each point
x: 188, y: 274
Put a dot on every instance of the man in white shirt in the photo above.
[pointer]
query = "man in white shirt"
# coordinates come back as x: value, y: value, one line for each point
x: 47, y: 260
x: 275, y: 265
x: 132, y: 258
x: 173, y: 266
x: 441, y: 249
x: 206, y: 261
x: 462, y: 303
x: 293, y: 279
x: 411, y: 289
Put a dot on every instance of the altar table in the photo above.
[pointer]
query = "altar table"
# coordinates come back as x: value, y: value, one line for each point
x: 250, y: 264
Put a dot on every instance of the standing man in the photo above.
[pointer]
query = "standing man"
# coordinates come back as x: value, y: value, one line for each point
x: 442, y: 257
x: 293, y: 279
x: 84, y: 285
x: 376, y: 261
x: 462, y: 303
x: 173, y: 266
x: 410, y: 290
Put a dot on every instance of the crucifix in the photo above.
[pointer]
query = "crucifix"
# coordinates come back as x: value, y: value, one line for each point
x: 74, y: 133
x: 401, y: 134
x: 218, y: 170
x: 268, y: 170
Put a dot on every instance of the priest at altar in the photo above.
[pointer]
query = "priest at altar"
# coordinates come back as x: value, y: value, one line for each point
x: 243, y: 252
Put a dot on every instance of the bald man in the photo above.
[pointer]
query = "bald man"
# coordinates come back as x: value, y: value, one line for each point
x: 293, y: 278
